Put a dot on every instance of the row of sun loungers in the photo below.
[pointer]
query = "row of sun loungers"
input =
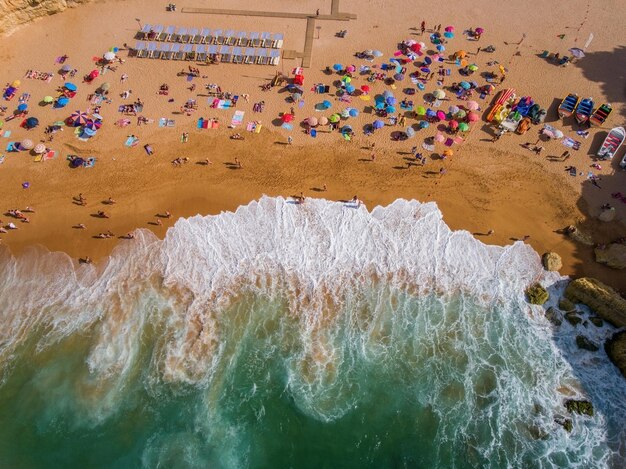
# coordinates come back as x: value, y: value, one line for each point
x: 208, y: 36
x: 202, y: 52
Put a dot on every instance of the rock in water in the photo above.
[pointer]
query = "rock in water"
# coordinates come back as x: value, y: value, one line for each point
x: 573, y: 318
x: 579, y: 406
x: 616, y: 350
x: 613, y: 255
x: 553, y: 316
x: 606, y: 302
x: 537, y: 295
x: 596, y: 321
x: 584, y: 343
x: 566, y: 305
x: 607, y: 215
x: 567, y: 424
x: 551, y: 261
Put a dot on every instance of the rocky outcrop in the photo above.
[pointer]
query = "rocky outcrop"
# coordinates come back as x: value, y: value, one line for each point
x: 606, y: 302
x: 18, y: 12
x: 616, y: 350
x: 551, y: 261
x: 566, y: 305
x: 573, y: 318
x: 553, y: 316
x: 585, y: 344
x: 579, y: 407
x: 537, y: 295
x: 613, y: 255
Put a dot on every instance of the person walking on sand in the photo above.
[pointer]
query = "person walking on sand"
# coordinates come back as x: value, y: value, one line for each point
x: 289, y: 140
x: 317, y: 13
x: 238, y: 163
x: 423, y: 27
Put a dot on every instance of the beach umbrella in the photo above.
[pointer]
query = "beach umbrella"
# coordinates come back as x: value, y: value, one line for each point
x: 39, y: 148
x: 439, y: 137
x: 345, y: 113
x: 473, y: 117
x: 390, y: 109
x: 286, y: 117
x: 473, y: 67
x: 48, y: 99
x: 26, y: 144
x: 577, y: 52
x: 387, y: 93
x: 327, y: 104
x: 420, y: 110
x: 295, y: 97
x: 337, y: 67
x: 448, y: 34
x: 78, y: 118
x: 430, y: 112
x: 350, y: 69
x: 31, y: 122
x: 365, y: 88
x: 428, y: 60
x: 350, y: 89
x: 346, y: 129
x: 22, y: 107
x: 66, y: 68
x: 441, y: 115
x: 334, y: 118
x: 441, y: 47
x: 461, y: 114
x: 449, y: 29
x: 448, y: 152
x: 460, y: 54
x: 89, y: 131
x: 398, y: 77
x: 16, y: 84
x: 479, y: 30
x: 472, y: 105
x: 463, y: 127
x: 558, y: 133
x: 465, y: 85
x: 378, y: 124
x: 93, y: 124
x: 410, y: 131
x: 439, y: 94
x: 109, y: 55
x: 105, y: 86
x: 62, y: 101
x: 453, y: 124
x: 380, y: 105
x: 425, y: 70
x: 377, y: 53
x: 353, y: 112
x: 346, y: 79
x: 322, y: 120
x: 453, y: 109
x: 391, y: 101
x: 70, y: 86
x: 312, y: 121
x: 424, y: 124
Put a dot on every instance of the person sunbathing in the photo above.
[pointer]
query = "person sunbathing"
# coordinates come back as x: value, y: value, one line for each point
x: 102, y: 214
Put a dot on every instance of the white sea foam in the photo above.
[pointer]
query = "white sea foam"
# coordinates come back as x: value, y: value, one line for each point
x: 355, y: 283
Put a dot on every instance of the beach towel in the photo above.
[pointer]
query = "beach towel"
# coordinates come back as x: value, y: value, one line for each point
x: 215, y: 125
x: 7, y: 134
x: 38, y: 159
x: 428, y: 147
x: 162, y: 122
x: 213, y: 102
x: 223, y: 104
x: 287, y: 126
x: 205, y: 124
x: 571, y: 143
x: 170, y: 123
x: 11, y: 146
x: 237, y: 118
x: 131, y: 141
x: 200, y: 122
x: 449, y: 142
x: 483, y: 95
x: 50, y: 155
x: 365, y: 97
x: 258, y: 128
x: 1, y: 159
x: 250, y: 127
x: 90, y: 163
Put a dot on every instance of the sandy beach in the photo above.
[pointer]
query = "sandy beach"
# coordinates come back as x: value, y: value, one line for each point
x: 487, y: 185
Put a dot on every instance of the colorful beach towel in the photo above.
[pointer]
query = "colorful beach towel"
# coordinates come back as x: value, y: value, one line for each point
x: 131, y: 141
x: 50, y: 155
x: 571, y: 143
x: 237, y: 118
x: 287, y: 126
x: 1, y: 159
x: 250, y: 127
x: 12, y: 146
x: 90, y: 163
x: 165, y: 122
x: 7, y: 134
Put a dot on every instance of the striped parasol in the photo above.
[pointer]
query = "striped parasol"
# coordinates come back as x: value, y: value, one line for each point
x: 78, y: 118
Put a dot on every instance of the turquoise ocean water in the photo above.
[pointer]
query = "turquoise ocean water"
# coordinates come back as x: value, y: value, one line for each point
x: 281, y: 335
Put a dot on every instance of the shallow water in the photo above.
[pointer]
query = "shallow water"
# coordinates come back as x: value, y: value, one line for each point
x: 296, y: 336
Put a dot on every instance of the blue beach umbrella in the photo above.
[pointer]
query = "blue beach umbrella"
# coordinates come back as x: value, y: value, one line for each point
x: 441, y: 48
x: 350, y: 89
x: 380, y: 105
x: 465, y: 85
x: 377, y: 53
x: 62, y: 102
x: 353, y: 112
x: 70, y: 86
x: 424, y: 124
x: 327, y: 104
x: 428, y: 60
x: 391, y: 100
x: 449, y: 34
x: 430, y: 113
x: 410, y: 131
x: 390, y: 109
x: 337, y: 67
x: 398, y: 77
x: 378, y: 124
x: 346, y: 129
x: 22, y: 107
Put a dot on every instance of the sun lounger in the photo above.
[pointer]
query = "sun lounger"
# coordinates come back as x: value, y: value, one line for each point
x: 1, y: 159
x: 201, y: 52
x: 242, y: 39
x: 226, y: 53
x: 277, y: 40
x: 205, y: 35
x: 164, y: 51
x: 140, y: 49
x: 261, y: 56
x: 181, y: 35
x: 274, y: 57
x: 166, y: 35
x: 237, y: 55
x: 253, y: 40
x: 188, y: 53
x: 266, y: 39
x: 248, y: 56
x: 176, y: 52
x: 193, y: 34
x: 146, y: 28
x: 158, y: 29
x: 229, y: 38
x: 152, y: 49
x: 215, y: 35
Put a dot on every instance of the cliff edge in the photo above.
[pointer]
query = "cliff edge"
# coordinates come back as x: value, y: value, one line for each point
x: 18, y: 12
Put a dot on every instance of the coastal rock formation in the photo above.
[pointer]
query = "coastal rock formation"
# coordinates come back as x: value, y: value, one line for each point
x: 18, y: 12
x: 579, y: 406
x: 616, y: 350
x: 551, y: 261
x: 606, y: 302
x: 553, y: 316
x: 573, y: 318
x: 579, y: 236
x: 537, y: 295
x: 613, y: 255
x: 566, y: 305
x: 585, y: 344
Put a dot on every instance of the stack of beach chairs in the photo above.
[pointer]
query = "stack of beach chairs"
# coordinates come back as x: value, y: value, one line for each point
x: 204, y: 44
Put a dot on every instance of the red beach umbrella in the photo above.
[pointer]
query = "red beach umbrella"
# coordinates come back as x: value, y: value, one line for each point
x: 473, y: 117
x: 287, y: 117
x: 453, y: 124
x: 365, y: 88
